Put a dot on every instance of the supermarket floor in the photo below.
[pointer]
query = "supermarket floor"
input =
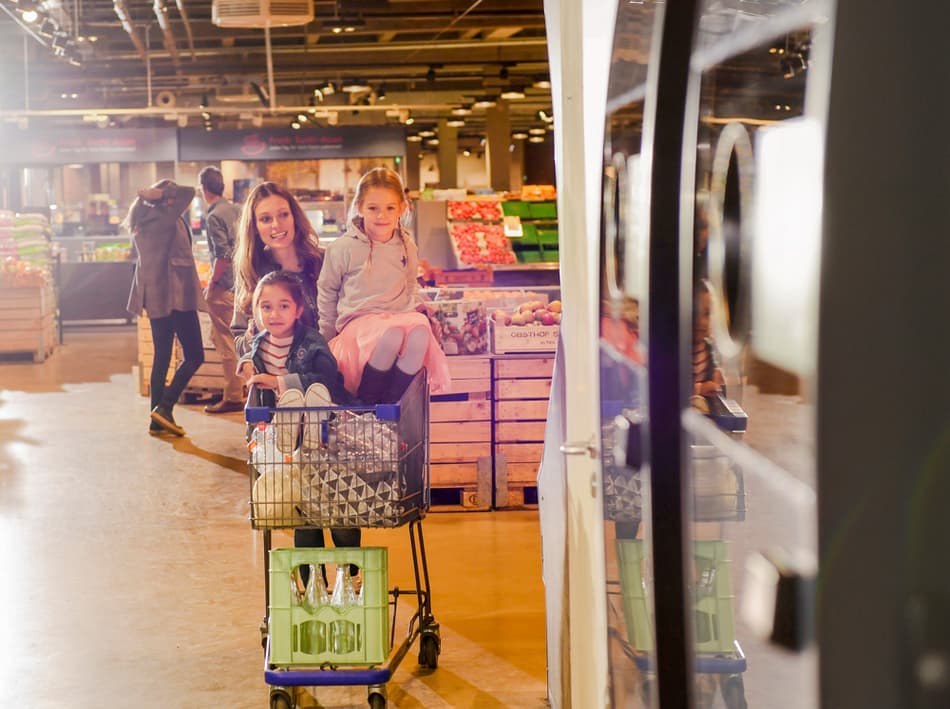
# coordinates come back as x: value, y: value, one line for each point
x: 131, y: 576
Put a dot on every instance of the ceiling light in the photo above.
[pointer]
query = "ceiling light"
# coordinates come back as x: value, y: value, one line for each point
x: 484, y: 102
x: 295, y: 125
x: 354, y: 87
x: 414, y: 138
x: 536, y: 131
x: 328, y: 89
x: 29, y: 16
x: 520, y: 135
x: 427, y: 133
x: 302, y: 117
x: 461, y: 111
x: 536, y: 139
x: 546, y: 117
x: 467, y: 153
x: 410, y: 120
x: 542, y: 81
x: 512, y: 94
x: 456, y: 123
x: 434, y: 141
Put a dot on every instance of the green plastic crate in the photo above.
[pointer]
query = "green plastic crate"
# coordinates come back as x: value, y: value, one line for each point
x: 549, y: 255
x: 528, y: 256
x: 529, y: 235
x: 515, y: 208
x: 300, y: 635
x: 712, y: 596
x: 542, y: 210
x: 547, y: 237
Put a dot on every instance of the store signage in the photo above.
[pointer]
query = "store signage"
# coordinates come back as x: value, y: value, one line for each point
x: 199, y: 145
x: 87, y: 145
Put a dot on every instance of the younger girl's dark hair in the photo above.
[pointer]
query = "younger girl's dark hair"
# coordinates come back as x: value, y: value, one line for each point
x: 288, y: 280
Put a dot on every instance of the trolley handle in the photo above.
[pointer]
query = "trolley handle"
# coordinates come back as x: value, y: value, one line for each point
x: 255, y: 413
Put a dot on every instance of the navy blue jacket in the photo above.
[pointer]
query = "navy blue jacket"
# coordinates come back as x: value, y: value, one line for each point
x: 308, y: 362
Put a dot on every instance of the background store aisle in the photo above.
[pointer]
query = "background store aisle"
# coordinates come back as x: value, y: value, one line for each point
x: 133, y: 576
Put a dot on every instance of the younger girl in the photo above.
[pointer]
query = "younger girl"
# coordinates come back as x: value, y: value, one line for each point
x: 289, y: 358
x: 368, y: 300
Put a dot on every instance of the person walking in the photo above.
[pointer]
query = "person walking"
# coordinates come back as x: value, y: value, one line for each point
x: 166, y: 287
x: 221, y: 221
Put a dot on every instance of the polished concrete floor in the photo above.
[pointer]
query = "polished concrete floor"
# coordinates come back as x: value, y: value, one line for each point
x: 131, y: 576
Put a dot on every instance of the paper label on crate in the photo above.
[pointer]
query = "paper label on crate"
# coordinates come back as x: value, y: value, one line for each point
x: 526, y: 339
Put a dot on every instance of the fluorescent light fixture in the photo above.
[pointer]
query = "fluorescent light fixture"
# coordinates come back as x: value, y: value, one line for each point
x: 536, y: 139
x: 536, y: 131
x: 512, y: 94
x: 456, y: 123
x: 461, y: 111
x: 485, y: 102
x: 427, y: 133
x: 415, y: 138
x: 520, y: 135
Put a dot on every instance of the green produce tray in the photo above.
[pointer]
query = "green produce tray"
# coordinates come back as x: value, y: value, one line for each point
x: 300, y: 635
x: 528, y: 256
x: 515, y: 208
x: 542, y: 210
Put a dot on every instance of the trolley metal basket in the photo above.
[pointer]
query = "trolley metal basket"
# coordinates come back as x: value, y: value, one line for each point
x: 341, y: 467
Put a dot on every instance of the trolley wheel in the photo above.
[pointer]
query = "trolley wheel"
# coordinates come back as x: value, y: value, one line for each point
x: 429, y: 651
x: 733, y: 691
x: 377, y: 700
x: 281, y: 699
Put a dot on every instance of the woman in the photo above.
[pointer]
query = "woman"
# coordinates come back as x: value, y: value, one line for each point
x: 166, y: 287
x: 275, y: 234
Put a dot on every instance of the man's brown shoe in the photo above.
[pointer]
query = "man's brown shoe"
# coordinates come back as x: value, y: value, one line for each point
x: 224, y: 407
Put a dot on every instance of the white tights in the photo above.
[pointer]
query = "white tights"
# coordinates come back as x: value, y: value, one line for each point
x: 405, y: 349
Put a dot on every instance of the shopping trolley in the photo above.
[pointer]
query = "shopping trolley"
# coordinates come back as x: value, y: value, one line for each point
x: 718, y: 496
x: 335, y: 466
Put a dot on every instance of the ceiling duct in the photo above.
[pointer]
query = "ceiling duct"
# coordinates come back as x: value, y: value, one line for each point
x: 165, y: 99
x: 261, y: 13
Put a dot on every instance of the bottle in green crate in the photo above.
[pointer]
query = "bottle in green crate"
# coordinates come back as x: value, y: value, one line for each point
x: 317, y: 595
x: 344, y: 635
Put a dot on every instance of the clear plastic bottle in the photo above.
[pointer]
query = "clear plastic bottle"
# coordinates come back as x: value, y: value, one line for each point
x: 263, y: 445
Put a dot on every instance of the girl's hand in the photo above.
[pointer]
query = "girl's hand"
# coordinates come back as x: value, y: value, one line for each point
x: 708, y: 388
x: 251, y: 330
x: 264, y: 381
x: 247, y: 371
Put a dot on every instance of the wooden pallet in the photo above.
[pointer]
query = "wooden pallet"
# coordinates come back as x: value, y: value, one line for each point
x: 28, y: 321
x: 458, y: 499
x: 460, y: 431
x: 521, y: 387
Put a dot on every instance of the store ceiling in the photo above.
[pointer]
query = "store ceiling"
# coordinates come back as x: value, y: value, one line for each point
x: 400, y: 58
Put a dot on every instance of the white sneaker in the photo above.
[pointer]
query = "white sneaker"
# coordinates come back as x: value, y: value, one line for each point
x: 288, y: 423
x: 317, y: 395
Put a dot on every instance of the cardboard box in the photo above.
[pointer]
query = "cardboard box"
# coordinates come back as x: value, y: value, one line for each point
x: 524, y: 338
x: 464, y: 326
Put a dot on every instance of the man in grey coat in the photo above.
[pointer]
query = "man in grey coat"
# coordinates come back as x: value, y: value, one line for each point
x: 222, y: 217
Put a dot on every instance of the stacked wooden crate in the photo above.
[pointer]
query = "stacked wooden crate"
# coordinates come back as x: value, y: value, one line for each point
x: 460, y: 437
x: 28, y: 320
x: 522, y: 386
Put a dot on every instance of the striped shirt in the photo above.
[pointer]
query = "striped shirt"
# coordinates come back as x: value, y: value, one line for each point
x: 274, y: 351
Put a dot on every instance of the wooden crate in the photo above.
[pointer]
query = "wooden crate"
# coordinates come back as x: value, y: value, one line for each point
x: 207, y: 381
x: 460, y: 435
x: 521, y: 388
x: 28, y: 320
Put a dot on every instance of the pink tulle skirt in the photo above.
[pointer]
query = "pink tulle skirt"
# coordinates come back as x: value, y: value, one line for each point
x: 353, y: 346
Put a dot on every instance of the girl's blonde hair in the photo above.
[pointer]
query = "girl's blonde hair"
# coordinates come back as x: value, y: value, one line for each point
x: 250, y: 260
x: 378, y: 177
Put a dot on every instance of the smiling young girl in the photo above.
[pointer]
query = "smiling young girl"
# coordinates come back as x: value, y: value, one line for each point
x: 370, y: 310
